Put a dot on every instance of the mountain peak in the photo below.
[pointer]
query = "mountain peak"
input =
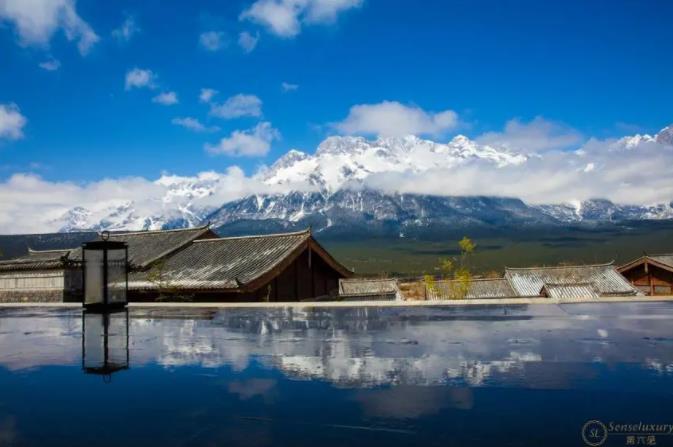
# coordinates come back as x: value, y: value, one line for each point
x: 665, y: 136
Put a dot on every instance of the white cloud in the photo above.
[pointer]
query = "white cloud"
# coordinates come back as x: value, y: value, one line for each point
x: 36, y: 21
x: 206, y: 94
x: 285, y: 17
x: 11, y: 122
x: 287, y: 87
x: 193, y: 124
x: 254, y: 142
x: 30, y: 204
x: 139, y: 78
x: 536, y: 135
x: 213, y: 40
x: 238, y: 106
x: 390, y: 118
x: 126, y: 30
x: 166, y: 98
x: 247, y: 41
x: 631, y: 170
x: 50, y: 64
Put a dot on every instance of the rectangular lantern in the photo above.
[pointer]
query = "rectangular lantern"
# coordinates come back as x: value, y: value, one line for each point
x: 105, y: 273
x: 105, y: 342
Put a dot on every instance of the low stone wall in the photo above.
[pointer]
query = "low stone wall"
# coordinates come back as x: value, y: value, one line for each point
x: 29, y: 296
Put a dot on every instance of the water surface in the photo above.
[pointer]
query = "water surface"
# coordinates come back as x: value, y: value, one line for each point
x: 496, y: 375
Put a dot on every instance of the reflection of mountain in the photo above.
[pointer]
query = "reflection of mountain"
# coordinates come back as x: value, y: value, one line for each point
x: 369, y: 347
x: 536, y: 346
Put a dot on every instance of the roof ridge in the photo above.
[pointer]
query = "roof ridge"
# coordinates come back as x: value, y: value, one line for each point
x: 172, y: 230
x: 53, y: 250
x: 255, y: 236
x: 561, y: 284
x: 475, y: 279
x: 367, y: 279
x: 606, y: 264
x: 649, y: 255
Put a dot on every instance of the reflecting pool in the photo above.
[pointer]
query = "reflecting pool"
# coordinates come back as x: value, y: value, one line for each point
x: 491, y: 375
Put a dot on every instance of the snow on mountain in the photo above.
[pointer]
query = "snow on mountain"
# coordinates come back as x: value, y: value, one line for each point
x: 340, y: 161
x: 665, y: 136
x: 328, y: 191
x: 182, y: 202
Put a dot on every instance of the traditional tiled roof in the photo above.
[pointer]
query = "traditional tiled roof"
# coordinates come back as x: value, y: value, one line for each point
x: 362, y: 288
x: 569, y: 292
x: 233, y: 263
x: 666, y: 259
x: 145, y: 247
x: 476, y: 289
x: 604, y: 279
x: 41, y: 259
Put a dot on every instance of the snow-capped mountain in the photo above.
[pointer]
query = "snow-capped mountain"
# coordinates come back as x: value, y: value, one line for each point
x: 329, y: 191
x: 343, y: 161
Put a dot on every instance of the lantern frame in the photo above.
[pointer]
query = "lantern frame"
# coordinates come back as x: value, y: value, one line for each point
x: 107, y: 367
x: 104, y: 246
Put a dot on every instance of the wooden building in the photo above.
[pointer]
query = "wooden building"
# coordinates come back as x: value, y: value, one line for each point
x: 188, y: 264
x: 42, y: 276
x: 275, y: 267
x: 651, y: 274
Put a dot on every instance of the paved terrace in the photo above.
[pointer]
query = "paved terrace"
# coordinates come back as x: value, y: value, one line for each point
x: 304, y: 304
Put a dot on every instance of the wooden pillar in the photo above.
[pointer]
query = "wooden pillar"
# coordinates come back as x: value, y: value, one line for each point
x: 311, y: 272
x: 649, y: 278
x: 296, y: 279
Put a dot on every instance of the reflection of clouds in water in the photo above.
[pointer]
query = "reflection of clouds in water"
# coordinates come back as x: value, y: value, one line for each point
x: 364, y: 347
x: 247, y: 389
x: 31, y: 338
x: 477, y: 372
x: 370, y: 347
x: 410, y: 402
x: 659, y: 367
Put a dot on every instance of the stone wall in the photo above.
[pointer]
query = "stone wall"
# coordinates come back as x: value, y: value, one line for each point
x: 28, y: 296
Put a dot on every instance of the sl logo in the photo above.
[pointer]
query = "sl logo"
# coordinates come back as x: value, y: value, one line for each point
x: 594, y: 433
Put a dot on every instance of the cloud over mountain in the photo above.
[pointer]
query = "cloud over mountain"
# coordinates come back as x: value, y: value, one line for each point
x: 628, y: 170
x: 390, y: 118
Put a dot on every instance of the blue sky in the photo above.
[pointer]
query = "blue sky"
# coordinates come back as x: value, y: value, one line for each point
x: 600, y: 68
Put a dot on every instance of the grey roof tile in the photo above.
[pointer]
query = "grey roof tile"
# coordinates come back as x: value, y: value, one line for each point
x: 477, y: 288
x: 146, y: 247
x: 223, y: 263
x: 604, y: 278
x: 363, y: 287
x: 570, y: 292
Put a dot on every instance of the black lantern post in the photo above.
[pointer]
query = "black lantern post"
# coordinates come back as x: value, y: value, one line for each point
x: 105, y: 342
x: 105, y: 273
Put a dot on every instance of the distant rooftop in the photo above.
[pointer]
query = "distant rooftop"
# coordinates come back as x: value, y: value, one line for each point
x: 604, y: 278
x: 476, y: 289
x: 148, y: 246
x: 234, y: 263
